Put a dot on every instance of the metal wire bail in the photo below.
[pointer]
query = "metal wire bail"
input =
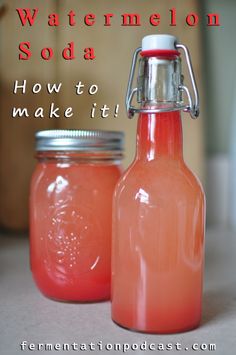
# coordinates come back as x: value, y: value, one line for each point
x: 193, y: 104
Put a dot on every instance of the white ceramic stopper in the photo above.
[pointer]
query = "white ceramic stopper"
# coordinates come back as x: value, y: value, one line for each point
x: 163, y: 42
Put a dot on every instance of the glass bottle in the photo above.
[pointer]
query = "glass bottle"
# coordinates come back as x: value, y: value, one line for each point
x: 158, y: 205
x: 70, y: 212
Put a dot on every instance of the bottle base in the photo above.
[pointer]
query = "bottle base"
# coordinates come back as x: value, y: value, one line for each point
x: 159, y: 331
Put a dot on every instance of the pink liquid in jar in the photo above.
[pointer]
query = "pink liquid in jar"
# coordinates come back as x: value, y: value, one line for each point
x: 70, y: 215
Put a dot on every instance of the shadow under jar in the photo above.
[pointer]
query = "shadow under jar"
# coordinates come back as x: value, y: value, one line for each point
x: 71, y: 212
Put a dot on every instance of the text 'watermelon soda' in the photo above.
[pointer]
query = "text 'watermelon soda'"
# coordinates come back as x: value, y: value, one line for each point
x: 159, y: 205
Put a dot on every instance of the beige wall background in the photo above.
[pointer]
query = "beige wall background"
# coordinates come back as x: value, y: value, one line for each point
x: 114, y: 47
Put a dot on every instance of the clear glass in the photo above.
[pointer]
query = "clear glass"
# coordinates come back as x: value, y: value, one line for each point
x: 70, y: 224
x: 158, y: 234
x: 159, y: 79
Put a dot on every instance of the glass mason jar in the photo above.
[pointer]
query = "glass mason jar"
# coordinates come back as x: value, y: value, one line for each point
x: 71, y: 212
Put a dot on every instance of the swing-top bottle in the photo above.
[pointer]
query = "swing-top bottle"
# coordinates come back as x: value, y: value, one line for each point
x: 159, y: 204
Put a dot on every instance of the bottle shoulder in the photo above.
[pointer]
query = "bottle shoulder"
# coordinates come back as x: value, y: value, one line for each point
x: 160, y: 176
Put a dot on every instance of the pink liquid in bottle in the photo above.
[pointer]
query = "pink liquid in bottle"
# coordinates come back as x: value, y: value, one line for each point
x: 158, y: 227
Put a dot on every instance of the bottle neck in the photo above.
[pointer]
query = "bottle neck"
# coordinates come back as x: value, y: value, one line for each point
x: 159, y: 135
